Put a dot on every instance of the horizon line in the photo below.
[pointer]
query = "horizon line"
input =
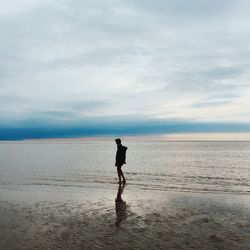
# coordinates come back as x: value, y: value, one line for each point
x: 175, y: 137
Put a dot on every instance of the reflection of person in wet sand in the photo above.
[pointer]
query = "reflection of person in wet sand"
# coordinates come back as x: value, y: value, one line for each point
x: 120, y: 206
x: 120, y: 159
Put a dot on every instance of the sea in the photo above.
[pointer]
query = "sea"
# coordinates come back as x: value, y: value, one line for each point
x: 197, y: 167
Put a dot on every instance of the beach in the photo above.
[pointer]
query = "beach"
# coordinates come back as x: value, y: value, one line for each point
x: 150, y: 220
x: 46, y: 209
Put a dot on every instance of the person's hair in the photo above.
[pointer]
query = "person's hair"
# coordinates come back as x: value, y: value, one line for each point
x: 118, y: 140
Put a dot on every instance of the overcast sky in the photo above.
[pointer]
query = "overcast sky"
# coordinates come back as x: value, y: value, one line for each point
x: 73, y: 62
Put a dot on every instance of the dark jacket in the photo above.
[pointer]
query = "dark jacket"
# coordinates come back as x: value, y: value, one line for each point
x: 120, y: 158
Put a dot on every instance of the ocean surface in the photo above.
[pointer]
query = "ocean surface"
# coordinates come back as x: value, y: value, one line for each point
x: 197, y: 167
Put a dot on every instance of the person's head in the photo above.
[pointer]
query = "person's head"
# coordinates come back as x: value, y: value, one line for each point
x: 118, y: 141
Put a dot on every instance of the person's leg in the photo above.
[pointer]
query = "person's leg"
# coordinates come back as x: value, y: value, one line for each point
x: 124, y: 180
x: 119, y: 174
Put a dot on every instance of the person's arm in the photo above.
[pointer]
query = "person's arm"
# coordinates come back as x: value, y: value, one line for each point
x: 124, y: 154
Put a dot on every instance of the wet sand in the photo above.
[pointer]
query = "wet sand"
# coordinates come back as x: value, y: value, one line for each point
x: 112, y: 218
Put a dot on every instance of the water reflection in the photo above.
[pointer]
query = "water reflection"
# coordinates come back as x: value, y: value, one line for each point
x: 120, y: 206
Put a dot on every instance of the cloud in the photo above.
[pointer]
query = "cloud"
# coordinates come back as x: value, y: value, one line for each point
x: 65, y: 62
x: 211, y: 104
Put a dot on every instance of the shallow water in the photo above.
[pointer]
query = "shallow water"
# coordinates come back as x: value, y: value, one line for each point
x: 214, y: 167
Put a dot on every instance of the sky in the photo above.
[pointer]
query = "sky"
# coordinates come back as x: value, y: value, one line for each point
x: 94, y: 67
